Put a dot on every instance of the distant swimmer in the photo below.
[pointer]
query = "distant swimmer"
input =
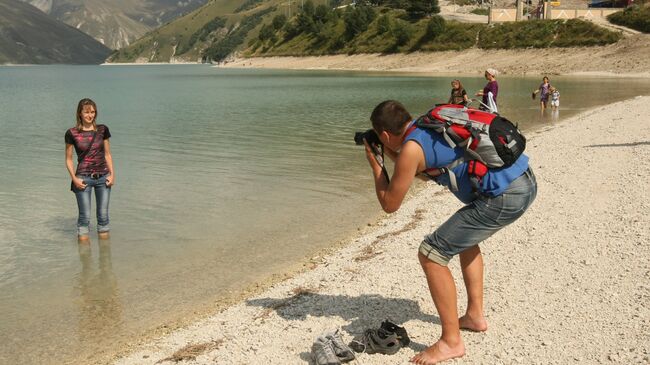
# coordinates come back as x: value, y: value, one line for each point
x: 94, y: 168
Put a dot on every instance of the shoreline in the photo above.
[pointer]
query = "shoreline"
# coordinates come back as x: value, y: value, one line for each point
x: 374, y: 275
x: 630, y: 57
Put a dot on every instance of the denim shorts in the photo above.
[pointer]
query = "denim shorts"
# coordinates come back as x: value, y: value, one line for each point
x: 480, y: 219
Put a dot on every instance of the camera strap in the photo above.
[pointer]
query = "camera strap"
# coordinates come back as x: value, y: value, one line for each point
x: 379, y: 156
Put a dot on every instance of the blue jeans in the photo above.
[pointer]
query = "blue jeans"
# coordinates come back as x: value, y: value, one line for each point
x: 479, y: 220
x: 102, y: 196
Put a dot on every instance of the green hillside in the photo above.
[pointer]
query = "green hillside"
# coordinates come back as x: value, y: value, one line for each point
x: 366, y: 29
x: 635, y: 17
x: 187, y: 38
x: 29, y: 36
x: 254, y: 28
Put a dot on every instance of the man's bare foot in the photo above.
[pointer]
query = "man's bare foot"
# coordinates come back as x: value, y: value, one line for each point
x: 473, y: 324
x: 439, y: 351
x: 103, y: 235
x: 83, y: 238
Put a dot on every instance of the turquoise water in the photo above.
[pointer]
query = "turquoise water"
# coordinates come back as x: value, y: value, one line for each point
x: 223, y: 178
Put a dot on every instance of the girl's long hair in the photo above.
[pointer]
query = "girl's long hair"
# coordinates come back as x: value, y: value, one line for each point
x: 80, y: 107
x: 460, y: 84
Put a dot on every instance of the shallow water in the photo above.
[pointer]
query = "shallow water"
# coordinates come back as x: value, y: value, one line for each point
x: 224, y: 177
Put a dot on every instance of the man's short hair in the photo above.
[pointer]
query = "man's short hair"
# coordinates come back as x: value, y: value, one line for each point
x: 390, y: 116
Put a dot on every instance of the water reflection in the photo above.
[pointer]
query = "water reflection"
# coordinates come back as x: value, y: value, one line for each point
x: 100, y: 309
x: 555, y: 115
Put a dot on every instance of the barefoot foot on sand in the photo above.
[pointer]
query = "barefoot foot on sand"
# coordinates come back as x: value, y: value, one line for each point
x: 439, y: 351
x: 473, y: 324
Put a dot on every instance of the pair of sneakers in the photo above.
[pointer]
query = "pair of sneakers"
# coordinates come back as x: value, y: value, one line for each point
x: 329, y: 349
x: 387, y: 339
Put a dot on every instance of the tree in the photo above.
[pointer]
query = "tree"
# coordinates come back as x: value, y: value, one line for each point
x: 383, y: 24
x: 266, y: 32
x: 322, y: 13
x: 305, y: 23
x: 279, y: 21
x: 402, y: 34
x: 308, y: 8
x: 418, y: 9
x: 357, y: 20
x: 435, y: 26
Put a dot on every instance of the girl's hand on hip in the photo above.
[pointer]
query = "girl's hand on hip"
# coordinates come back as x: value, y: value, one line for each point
x: 78, y: 183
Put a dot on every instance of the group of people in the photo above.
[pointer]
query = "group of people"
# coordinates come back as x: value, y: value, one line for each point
x: 489, y: 93
x: 546, y: 91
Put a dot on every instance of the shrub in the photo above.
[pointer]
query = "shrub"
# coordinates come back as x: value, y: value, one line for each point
x: 248, y: 4
x: 402, y: 34
x: 418, y: 9
x: 266, y: 32
x: 456, y: 36
x: 435, y: 27
x: 546, y: 33
x: 383, y: 24
x: 529, y: 34
x: 357, y: 19
x: 575, y: 33
x: 290, y: 31
x: 322, y: 13
x: 634, y: 17
x: 279, y: 21
x: 480, y: 11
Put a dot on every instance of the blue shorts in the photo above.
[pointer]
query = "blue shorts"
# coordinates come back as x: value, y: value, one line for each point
x: 479, y: 220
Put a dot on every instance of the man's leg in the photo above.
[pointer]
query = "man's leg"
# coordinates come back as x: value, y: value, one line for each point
x: 443, y: 291
x: 471, y: 262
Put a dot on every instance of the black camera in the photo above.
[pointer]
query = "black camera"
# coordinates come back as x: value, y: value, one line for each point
x: 370, y: 136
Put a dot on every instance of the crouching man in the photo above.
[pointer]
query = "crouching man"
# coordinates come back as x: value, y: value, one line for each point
x: 502, y: 196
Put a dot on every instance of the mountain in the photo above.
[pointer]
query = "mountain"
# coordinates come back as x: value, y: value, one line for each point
x: 116, y: 23
x: 29, y: 36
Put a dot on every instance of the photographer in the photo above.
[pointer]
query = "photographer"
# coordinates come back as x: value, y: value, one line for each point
x: 417, y: 151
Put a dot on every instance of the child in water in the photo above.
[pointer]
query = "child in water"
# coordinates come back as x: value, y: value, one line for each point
x: 555, y: 98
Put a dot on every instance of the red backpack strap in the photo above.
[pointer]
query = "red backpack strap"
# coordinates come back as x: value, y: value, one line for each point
x: 434, y: 172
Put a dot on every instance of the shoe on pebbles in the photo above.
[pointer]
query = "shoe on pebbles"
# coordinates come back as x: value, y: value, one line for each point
x: 388, y: 339
x: 341, y: 349
x: 322, y: 352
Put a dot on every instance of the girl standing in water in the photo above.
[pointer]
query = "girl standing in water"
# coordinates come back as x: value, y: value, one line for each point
x: 94, y: 167
x: 543, y: 90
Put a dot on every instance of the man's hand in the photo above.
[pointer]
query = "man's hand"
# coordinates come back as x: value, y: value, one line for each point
x: 372, y: 159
